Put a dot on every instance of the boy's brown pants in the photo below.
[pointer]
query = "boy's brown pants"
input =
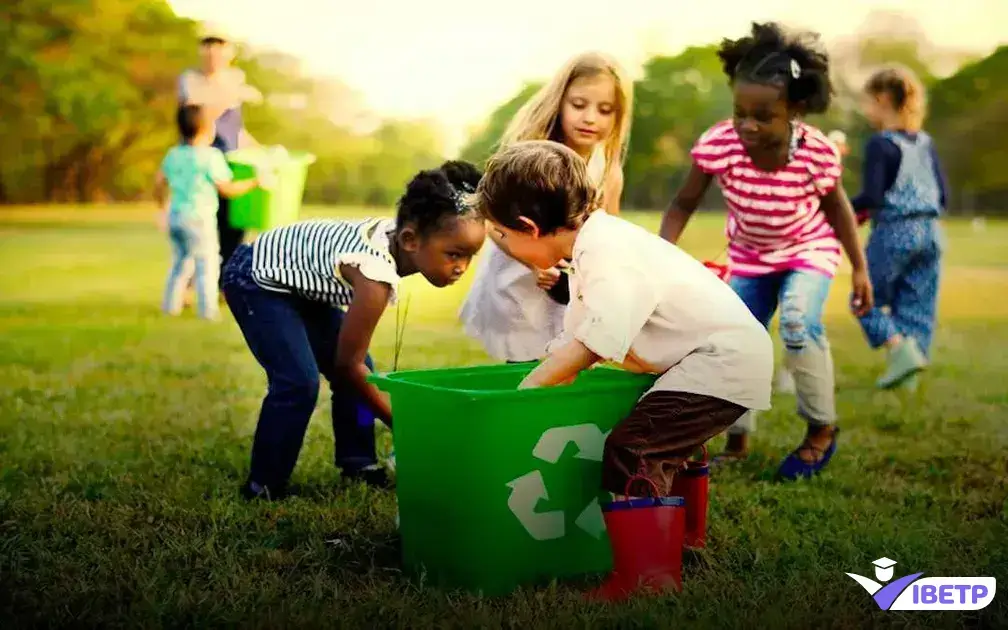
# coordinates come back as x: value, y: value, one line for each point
x: 662, y: 431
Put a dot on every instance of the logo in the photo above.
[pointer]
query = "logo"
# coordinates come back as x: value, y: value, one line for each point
x: 530, y: 488
x: 913, y: 592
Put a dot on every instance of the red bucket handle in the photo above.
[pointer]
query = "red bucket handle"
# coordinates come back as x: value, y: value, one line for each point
x: 648, y: 480
x: 642, y: 469
x: 704, y: 458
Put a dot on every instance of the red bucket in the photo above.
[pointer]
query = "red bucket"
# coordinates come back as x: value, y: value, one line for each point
x: 692, y: 482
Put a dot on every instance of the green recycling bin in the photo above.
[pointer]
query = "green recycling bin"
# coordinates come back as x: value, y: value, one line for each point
x: 280, y: 204
x: 497, y: 487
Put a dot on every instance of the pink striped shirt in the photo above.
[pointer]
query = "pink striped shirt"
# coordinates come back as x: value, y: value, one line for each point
x: 774, y: 219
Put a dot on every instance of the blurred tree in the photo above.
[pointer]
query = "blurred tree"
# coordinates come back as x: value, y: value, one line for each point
x: 485, y: 141
x: 968, y: 117
x: 675, y: 101
x: 88, y: 106
x: 91, y: 81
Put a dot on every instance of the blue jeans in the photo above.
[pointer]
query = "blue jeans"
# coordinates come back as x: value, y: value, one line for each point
x: 904, y: 264
x: 294, y: 340
x: 799, y: 296
x: 194, y: 253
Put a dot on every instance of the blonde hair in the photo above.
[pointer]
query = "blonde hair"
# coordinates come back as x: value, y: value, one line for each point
x: 539, y: 118
x: 905, y: 91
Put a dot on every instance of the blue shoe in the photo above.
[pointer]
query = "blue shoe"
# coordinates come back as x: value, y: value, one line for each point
x: 793, y: 467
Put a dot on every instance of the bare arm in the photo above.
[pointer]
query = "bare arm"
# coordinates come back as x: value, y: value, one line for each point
x: 684, y: 204
x: 369, y: 302
x: 561, y: 366
x: 163, y: 197
x: 236, y: 189
x: 837, y: 208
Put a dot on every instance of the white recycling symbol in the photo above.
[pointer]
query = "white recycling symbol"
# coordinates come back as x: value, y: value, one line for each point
x: 529, y: 489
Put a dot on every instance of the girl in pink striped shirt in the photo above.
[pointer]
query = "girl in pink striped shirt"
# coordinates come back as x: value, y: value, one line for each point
x: 788, y: 217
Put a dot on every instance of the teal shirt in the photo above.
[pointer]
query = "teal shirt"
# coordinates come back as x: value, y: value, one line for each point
x: 191, y: 173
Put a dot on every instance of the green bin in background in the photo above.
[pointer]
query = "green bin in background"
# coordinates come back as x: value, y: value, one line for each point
x: 280, y: 204
x: 497, y: 487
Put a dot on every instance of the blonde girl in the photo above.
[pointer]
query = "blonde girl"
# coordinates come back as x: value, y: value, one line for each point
x: 515, y: 309
x: 903, y: 196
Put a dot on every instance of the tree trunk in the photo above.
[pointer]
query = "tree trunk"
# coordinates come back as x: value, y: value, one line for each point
x: 60, y: 178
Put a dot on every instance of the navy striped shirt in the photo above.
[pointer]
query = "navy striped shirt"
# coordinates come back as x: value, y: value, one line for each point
x: 304, y: 258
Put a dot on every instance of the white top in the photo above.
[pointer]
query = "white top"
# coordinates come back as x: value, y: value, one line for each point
x: 228, y: 90
x: 505, y: 309
x: 640, y: 301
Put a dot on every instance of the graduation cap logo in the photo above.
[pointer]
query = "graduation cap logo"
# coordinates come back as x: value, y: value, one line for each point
x: 882, y: 592
x: 884, y: 569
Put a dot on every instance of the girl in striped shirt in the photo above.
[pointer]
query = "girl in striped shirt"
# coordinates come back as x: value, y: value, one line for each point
x: 788, y: 217
x: 308, y: 297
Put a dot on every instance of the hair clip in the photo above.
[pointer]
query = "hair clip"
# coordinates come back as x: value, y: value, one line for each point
x: 461, y: 207
x: 795, y: 69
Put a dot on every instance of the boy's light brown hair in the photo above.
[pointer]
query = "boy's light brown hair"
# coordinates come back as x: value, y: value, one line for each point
x: 905, y: 92
x: 542, y: 180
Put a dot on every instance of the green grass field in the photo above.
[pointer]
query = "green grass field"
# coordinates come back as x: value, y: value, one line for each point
x: 124, y: 436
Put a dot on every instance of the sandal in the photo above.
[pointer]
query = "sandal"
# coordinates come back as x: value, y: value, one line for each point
x: 794, y: 467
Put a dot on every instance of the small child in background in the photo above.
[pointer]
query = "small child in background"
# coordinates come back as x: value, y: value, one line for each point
x: 187, y: 185
x: 638, y: 301
x: 788, y: 217
x: 515, y: 310
x: 903, y: 195
x: 308, y: 296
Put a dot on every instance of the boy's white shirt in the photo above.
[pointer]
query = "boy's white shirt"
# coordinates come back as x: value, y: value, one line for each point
x: 640, y: 301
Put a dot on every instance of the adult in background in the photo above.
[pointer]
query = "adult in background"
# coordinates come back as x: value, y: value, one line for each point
x: 221, y: 89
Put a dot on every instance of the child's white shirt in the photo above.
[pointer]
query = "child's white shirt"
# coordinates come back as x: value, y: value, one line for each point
x: 642, y: 302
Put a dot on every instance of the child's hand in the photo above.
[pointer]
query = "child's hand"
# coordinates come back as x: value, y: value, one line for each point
x: 547, y: 278
x: 862, y: 299
x: 265, y: 179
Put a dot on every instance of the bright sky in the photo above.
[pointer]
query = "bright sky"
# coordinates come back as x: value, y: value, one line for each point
x: 455, y: 60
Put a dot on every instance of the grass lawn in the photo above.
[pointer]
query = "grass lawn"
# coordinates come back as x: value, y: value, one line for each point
x: 124, y: 436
